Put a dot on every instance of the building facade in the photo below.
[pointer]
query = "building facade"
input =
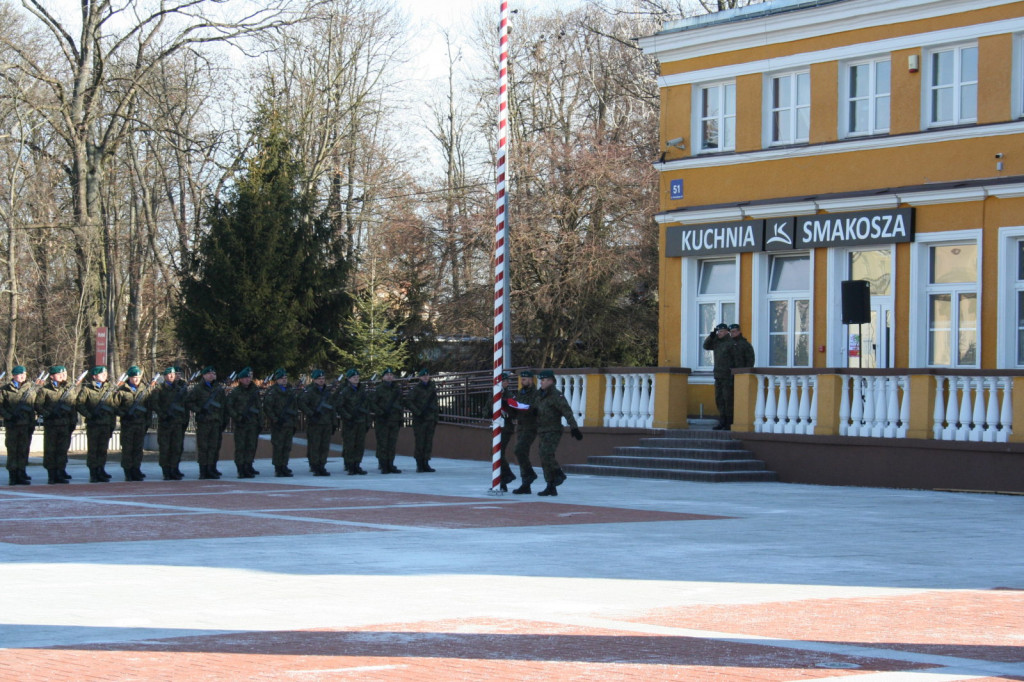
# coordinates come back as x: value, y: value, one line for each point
x: 813, y: 142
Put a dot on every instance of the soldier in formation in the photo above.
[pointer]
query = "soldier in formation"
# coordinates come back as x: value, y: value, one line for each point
x: 386, y: 405
x: 167, y: 401
x: 315, y: 403
x: 353, y: 404
x: 422, y: 403
x: 133, y: 405
x: 244, y: 406
x: 96, y: 403
x: 280, y: 408
x: 55, y: 403
x: 17, y: 406
x: 206, y: 399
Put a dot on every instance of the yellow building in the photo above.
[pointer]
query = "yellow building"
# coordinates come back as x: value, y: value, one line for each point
x: 811, y: 142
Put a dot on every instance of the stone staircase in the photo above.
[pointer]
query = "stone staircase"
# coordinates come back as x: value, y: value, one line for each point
x: 680, y: 455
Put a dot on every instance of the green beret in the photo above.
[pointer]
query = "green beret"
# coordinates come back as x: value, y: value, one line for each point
x: 506, y: 376
x: 279, y: 373
x: 733, y: 326
x: 317, y: 373
x: 170, y: 370
x: 387, y: 370
x: 352, y: 373
x: 546, y: 374
x: 176, y: 369
x: 723, y: 326
x: 423, y: 373
x: 209, y: 370
x: 133, y: 371
x: 526, y: 373
x: 57, y: 369
x: 244, y: 372
x: 98, y: 369
x: 19, y: 369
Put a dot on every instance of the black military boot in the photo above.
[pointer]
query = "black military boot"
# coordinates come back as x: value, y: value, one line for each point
x: 528, y: 474
x: 383, y: 467
x: 103, y: 473
x: 282, y: 472
x: 128, y: 475
x: 63, y: 473
x: 559, y: 478
x: 251, y: 470
x: 423, y: 467
x: 95, y: 476
x: 212, y: 471
x: 506, y: 473
x: 24, y: 476
x: 551, y: 491
x: 168, y: 473
x: 321, y: 470
x: 392, y: 469
x: 524, y: 489
x: 204, y: 472
x: 139, y: 476
x: 243, y: 472
x: 178, y: 474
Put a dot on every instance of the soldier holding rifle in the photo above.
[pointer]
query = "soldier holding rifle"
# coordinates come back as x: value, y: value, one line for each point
x: 206, y: 399
x: 281, y: 410
x: 422, y: 402
x: 132, y: 400
x: 353, y: 404
x: 55, y: 401
x: 18, y: 410
x: 167, y: 400
x: 386, y: 405
x: 317, y: 404
x: 95, y: 402
x: 245, y: 409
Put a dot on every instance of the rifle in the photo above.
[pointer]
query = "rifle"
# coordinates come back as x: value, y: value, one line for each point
x: 139, y: 394
x: 62, y: 402
x: 102, y: 405
x: 222, y: 389
x: 23, y: 404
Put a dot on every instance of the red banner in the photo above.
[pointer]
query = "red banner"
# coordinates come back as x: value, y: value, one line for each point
x: 101, y: 345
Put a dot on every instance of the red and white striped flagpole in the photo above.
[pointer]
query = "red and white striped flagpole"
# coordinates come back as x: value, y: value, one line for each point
x: 500, y: 236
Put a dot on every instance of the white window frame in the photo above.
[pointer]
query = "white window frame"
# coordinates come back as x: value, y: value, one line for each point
x: 927, y: 87
x: 920, y: 288
x: 1006, y: 298
x: 760, y: 272
x: 770, y: 110
x: 1017, y: 78
x: 689, y: 351
x: 838, y: 263
x: 697, y: 129
x: 844, y: 97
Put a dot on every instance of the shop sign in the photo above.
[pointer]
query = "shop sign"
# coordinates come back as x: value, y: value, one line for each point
x: 857, y: 228
x: 779, y: 234
x: 736, y: 237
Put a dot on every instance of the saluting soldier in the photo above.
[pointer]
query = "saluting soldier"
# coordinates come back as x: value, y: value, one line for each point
x: 206, y: 400
x: 526, y: 428
x: 386, y: 405
x: 281, y: 411
x: 95, y: 402
x: 55, y: 401
x: 245, y: 408
x: 508, y: 428
x: 551, y: 407
x: 19, y: 413
x: 132, y: 402
x: 316, y: 403
x: 721, y: 345
x: 353, y: 404
x: 167, y: 400
x: 422, y: 403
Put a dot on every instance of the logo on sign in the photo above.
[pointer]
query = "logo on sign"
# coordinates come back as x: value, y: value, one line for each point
x: 675, y: 189
x: 779, y: 234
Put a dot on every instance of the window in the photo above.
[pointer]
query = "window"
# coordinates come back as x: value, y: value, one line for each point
x: 867, y: 97
x: 789, y: 311
x: 717, y: 107
x: 953, y: 86
x: 953, y: 305
x: 716, y: 301
x: 1020, y: 302
x: 790, y: 101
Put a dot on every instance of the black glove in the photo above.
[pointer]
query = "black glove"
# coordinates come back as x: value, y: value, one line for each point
x: 576, y: 434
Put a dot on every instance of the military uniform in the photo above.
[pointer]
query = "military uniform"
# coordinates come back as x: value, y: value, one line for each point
x: 133, y: 405
x: 281, y: 410
x: 526, y: 433
x: 19, y: 413
x: 317, y: 404
x: 722, y: 348
x: 508, y: 429
x: 55, y: 401
x: 167, y: 400
x: 95, y: 402
x: 551, y: 408
x: 353, y: 404
x: 206, y: 399
x: 386, y: 405
x: 244, y: 406
x: 422, y: 403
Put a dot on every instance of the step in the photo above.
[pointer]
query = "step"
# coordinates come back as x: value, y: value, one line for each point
x: 690, y: 453
x: 701, y: 434
x: 673, y: 474
x: 678, y: 463
x: 708, y: 443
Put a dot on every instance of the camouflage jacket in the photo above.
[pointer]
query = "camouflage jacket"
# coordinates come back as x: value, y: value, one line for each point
x: 168, y: 401
x: 245, y: 405
x: 207, y: 401
x: 56, y: 403
x: 18, y: 403
x: 551, y: 407
x: 386, y: 402
x: 422, y: 402
x: 317, y: 403
x: 280, y: 406
x: 133, y: 406
x: 353, y: 403
x: 96, y: 402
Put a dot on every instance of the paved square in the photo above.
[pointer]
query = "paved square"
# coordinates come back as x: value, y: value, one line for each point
x: 417, y: 577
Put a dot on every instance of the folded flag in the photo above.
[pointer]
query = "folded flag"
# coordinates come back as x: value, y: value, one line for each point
x: 516, y: 405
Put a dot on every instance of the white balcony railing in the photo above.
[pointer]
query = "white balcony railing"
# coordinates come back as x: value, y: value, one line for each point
x: 973, y: 408
x: 629, y: 401
x: 574, y: 388
x: 874, y: 406
x: 786, y: 404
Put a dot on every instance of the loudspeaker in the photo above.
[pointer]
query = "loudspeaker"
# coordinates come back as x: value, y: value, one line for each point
x: 856, y: 301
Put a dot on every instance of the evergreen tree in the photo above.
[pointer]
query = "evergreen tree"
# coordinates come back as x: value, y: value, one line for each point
x: 375, y: 344
x: 265, y: 286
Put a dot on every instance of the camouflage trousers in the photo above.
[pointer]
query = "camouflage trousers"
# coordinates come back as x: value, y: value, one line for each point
x: 18, y: 440
x: 170, y: 438
x: 281, y: 442
x: 98, y: 438
x: 56, y: 443
x: 524, y: 441
x: 133, y: 436
x: 424, y: 433
x: 247, y: 437
x: 353, y: 438
x: 386, y: 432
x: 548, y: 445
x: 209, y: 434
x: 723, y: 396
x: 318, y: 444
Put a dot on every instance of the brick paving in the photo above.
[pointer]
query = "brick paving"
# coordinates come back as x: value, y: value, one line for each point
x: 430, y: 577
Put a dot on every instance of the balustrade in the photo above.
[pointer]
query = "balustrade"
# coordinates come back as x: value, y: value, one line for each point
x: 629, y: 400
x: 973, y: 408
x: 786, y: 404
